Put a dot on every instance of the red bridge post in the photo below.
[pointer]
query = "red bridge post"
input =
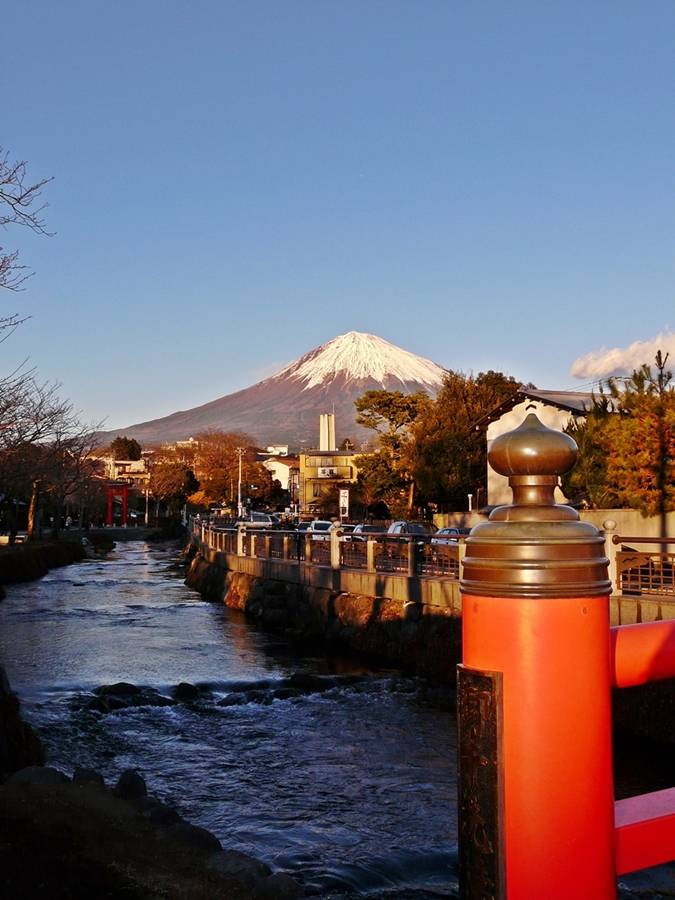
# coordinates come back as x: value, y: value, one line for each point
x: 536, y: 797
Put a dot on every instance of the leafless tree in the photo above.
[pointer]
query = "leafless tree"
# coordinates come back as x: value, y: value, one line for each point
x: 30, y: 411
x: 44, y: 446
x: 70, y: 468
x: 17, y: 199
x: 17, y: 207
x: 171, y: 482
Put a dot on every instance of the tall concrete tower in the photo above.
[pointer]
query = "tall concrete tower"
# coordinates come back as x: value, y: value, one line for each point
x: 327, y: 432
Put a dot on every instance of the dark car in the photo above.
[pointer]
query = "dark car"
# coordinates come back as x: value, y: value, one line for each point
x: 449, y: 535
x: 411, y: 528
x: 362, y: 531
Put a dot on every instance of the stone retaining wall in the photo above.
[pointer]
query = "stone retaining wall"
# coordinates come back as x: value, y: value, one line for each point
x: 424, y: 638
x: 30, y: 561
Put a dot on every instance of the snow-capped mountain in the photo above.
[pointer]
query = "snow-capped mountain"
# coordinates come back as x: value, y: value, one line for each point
x: 356, y: 356
x: 285, y: 408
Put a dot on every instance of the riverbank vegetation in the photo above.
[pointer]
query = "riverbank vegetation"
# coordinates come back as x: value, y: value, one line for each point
x: 27, y: 562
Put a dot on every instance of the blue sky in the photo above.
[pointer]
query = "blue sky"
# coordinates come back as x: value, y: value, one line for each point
x: 486, y: 184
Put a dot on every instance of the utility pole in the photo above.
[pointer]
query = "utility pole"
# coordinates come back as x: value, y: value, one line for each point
x: 240, y: 452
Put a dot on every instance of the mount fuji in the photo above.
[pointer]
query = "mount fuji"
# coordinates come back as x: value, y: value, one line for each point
x: 285, y: 408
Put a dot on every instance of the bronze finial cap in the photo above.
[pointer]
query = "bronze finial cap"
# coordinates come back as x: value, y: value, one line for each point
x: 534, y: 547
x: 533, y: 449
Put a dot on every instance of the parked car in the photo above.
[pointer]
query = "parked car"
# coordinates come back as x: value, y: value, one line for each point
x: 262, y: 520
x: 449, y: 535
x: 411, y: 528
x: 345, y: 527
x: 320, y: 530
x: 302, y: 527
x: 362, y: 531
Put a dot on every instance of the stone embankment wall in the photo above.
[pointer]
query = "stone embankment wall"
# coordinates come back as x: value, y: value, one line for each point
x: 28, y: 562
x: 422, y: 638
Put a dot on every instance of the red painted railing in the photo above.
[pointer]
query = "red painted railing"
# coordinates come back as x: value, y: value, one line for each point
x: 645, y: 825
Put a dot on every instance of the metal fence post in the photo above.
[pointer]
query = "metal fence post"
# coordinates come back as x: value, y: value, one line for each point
x: 461, y: 553
x: 412, y: 556
x: 370, y: 554
x: 609, y: 531
x: 335, y: 535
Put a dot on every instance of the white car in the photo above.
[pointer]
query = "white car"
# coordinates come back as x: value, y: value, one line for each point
x: 320, y: 530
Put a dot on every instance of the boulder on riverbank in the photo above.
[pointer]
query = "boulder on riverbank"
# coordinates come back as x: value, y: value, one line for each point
x: 20, y: 745
x: 72, y: 838
x: 78, y: 842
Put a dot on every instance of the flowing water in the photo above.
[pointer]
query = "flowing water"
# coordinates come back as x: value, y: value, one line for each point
x: 341, y: 775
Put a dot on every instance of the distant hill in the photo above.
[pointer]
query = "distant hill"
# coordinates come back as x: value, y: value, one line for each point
x: 285, y: 408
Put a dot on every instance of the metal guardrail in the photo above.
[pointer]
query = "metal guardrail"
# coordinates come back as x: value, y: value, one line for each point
x: 638, y: 572
x: 641, y: 572
x: 407, y: 555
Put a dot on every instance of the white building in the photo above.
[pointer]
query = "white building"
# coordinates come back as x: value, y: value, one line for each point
x: 555, y: 409
x: 282, y: 468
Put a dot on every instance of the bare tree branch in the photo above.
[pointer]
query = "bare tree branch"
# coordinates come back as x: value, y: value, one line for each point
x: 17, y: 197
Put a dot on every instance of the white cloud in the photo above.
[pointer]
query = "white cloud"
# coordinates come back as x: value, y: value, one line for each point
x: 266, y: 371
x: 605, y: 363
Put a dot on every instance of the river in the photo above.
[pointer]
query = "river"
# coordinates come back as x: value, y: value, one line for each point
x: 337, y: 772
x: 348, y: 783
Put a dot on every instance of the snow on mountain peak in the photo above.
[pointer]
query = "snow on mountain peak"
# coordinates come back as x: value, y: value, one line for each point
x: 357, y: 356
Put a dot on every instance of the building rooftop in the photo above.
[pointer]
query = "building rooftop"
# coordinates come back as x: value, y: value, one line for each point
x: 576, y: 402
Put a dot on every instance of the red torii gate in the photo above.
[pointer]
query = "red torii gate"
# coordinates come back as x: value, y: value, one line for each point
x: 118, y: 489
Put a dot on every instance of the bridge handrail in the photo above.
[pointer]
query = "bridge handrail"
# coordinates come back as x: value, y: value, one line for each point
x: 414, y: 555
x: 622, y: 539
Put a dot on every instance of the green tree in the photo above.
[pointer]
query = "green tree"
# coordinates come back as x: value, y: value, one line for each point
x: 627, y: 444
x: 390, y: 414
x: 378, y: 483
x: 447, y: 457
x: 587, y: 483
x: 384, y: 476
x: 125, y: 448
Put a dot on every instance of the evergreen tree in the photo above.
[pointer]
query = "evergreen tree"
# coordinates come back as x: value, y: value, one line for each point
x: 125, y: 448
x: 587, y: 483
x: 447, y: 457
x: 384, y: 477
x: 627, y: 444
